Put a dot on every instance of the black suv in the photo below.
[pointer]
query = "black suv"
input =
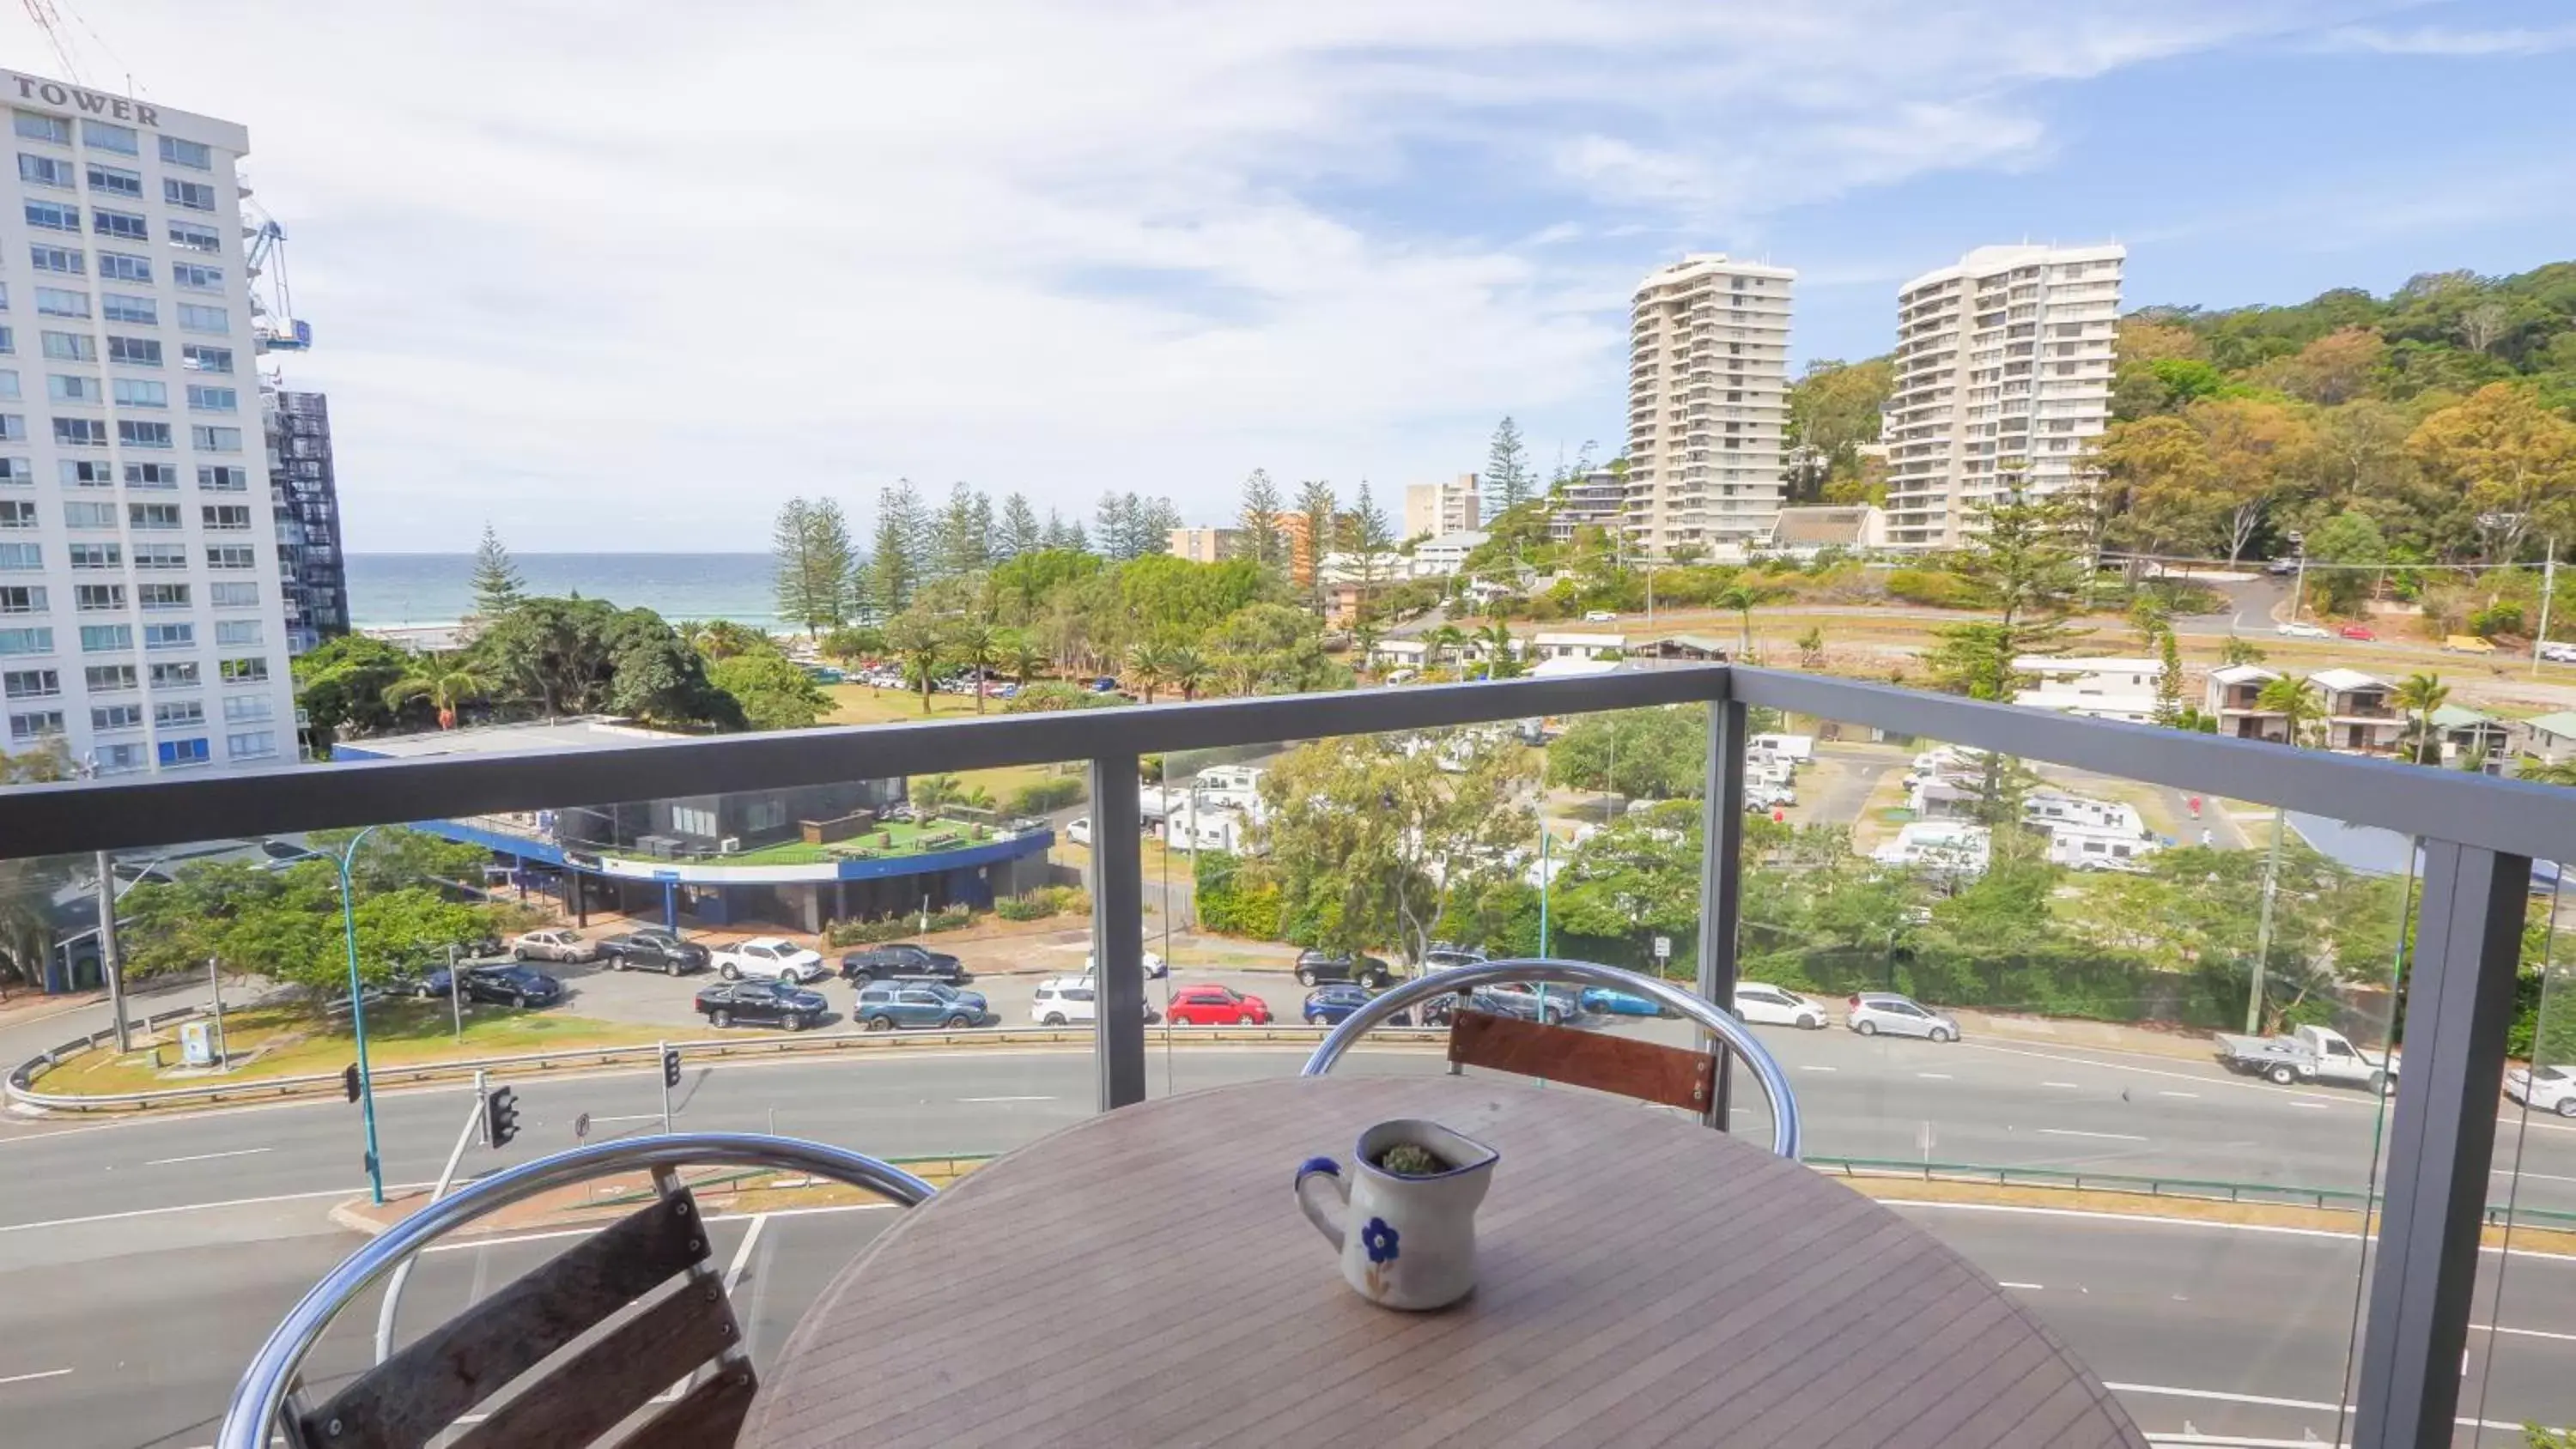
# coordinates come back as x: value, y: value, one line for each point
x: 651, y: 949
x: 902, y: 961
x: 1314, y: 967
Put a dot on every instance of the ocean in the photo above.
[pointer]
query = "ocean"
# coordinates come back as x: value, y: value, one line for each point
x: 388, y: 590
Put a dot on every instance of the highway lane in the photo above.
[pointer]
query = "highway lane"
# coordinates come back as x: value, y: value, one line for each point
x: 1979, y: 1102
x: 2225, y: 1330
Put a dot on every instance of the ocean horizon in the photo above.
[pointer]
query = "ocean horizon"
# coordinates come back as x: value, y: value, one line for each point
x: 418, y: 590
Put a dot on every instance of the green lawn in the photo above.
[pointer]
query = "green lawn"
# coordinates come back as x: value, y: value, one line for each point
x: 901, y: 837
x: 866, y: 704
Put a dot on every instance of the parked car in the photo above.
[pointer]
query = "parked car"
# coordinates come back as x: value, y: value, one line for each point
x: 1328, y: 1005
x: 1445, y: 957
x: 653, y: 949
x: 923, y: 1004
x: 770, y: 958
x: 2550, y: 1089
x: 2297, y: 630
x: 1073, y: 1001
x: 1765, y: 1004
x: 773, y: 1003
x: 1316, y: 967
x: 1105, y: 684
x: 1598, y: 616
x: 2356, y: 631
x: 1077, y: 831
x: 505, y: 985
x: 2467, y: 644
x: 2307, y: 1054
x: 2559, y: 653
x: 902, y: 961
x: 560, y: 944
x: 1877, y: 1013
x: 1218, y: 1006
x: 1554, y: 1005
x: 1607, y: 1001
x: 1155, y: 969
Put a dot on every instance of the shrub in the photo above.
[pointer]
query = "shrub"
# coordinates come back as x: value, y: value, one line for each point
x: 1047, y: 795
x: 1934, y: 589
x: 1233, y: 898
x: 2496, y: 619
x: 1049, y: 695
x: 1043, y: 902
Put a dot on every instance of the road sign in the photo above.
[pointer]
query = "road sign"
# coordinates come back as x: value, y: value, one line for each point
x: 1663, y: 948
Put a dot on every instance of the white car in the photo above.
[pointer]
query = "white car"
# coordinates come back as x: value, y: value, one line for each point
x: 770, y: 958
x: 1155, y: 970
x: 1077, y: 831
x: 1763, y: 1004
x: 2551, y: 1089
x: 2296, y: 630
x: 1073, y: 1001
x: 556, y: 945
x: 2559, y: 653
x: 1884, y: 1013
x: 1599, y: 616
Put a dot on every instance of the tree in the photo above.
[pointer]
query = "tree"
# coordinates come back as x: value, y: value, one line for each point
x: 1495, y: 638
x: 775, y: 692
x: 810, y: 545
x: 2169, y: 710
x: 1020, y: 531
x: 1657, y: 754
x: 497, y: 584
x: 2420, y: 695
x: 918, y: 642
x: 27, y: 887
x: 2301, y: 711
x: 2157, y: 473
x: 1445, y: 640
x: 2513, y: 461
x: 1315, y: 502
x: 1260, y: 538
x: 2352, y: 541
x: 853, y: 642
x: 1188, y: 669
x: 965, y: 533
x: 341, y: 682
x: 1507, y: 481
x: 1269, y: 648
x: 2257, y: 449
x: 1833, y: 410
x: 2020, y: 557
x: 1022, y: 658
x: 895, y: 565
x: 1372, y: 538
x: 976, y: 647
x: 1742, y: 599
x: 2330, y: 371
x: 447, y: 681
x: 1146, y: 666
x: 1811, y: 647
x: 2236, y: 649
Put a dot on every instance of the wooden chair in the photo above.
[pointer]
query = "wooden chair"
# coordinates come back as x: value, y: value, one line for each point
x: 568, y: 1352
x: 1670, y: 1076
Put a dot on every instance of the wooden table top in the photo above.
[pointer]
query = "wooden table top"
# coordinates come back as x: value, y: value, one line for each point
x: 1146, y: 1278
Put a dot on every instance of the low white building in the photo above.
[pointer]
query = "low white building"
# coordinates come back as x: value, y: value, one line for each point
x: 2361, y: 712
x: 1398, y: 654
x: 1444, y: 554
x: 1580, y: 646
x: 2054, y: 810
x: 2232, y: 698
x: 1938, y: 847
x: 2097, y: 688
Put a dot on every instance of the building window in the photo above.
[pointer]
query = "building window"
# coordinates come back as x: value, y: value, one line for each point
x: 215, y: 440
x: 8, y: 337
x: 190, y: 277
x: 213, y: 400
x: 137, y: 392
x: 102, y: 136
x: 189, y: 236
x: 13, y: 427
x: 46, y: 171
x: 31, y: 683
x: 195, y: 155
x: 252, y: 744
x: 126, y: 307
x: 53, y: 216
x: 243, y: 671
x: 192, y: 195
x: 247, y: 708
x: 224, y: 480
x: 26, y: 641
x: 227, y: 557
x: 159, y: 517
x: 61, y: 302
x: 183, y: 752
x: 238, y: 633
x: 124, y: 267
x: 104, y: 638
x: 22, y: 599
x: 37, y: 126
x: 116, y: 717
x: 116, y: 181
x: 143, y: 435
x: 174, y: 676
x: 233, y: 596
x: 70, y: 347
x: 17, y: 472
x: 151, y: 475
x: 134, y: 351
x: 230, y: 517
x: 71, y: 261
x: 81, y: 432
x: 104, y: 222
x: 197, y: 357
x: 194, y: 318
x: 169, y: 636
x: 121, y: 759
x: 36, y: 725
x: 160, y: 555
x: 96, y: 598
x: 21, y: 558
x: 98, y: 556
x: 182, y: 713
x: 110, y: 678
x: 162, y: 596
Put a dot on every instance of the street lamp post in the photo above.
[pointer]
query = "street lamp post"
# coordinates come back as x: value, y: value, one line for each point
x: 358, y: 1013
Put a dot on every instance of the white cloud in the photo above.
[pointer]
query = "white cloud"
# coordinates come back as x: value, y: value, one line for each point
x: 629, y: 276
x: 2441, y: 41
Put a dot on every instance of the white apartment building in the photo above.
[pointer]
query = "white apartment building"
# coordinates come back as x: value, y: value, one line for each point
x: 1435, y: 508
x: 141, y: 612
x: 1708, y: 396
x: 1592, y: 500
x: 2003, y: 368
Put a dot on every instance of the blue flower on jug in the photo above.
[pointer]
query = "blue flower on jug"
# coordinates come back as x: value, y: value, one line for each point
x: 1379, y: 1239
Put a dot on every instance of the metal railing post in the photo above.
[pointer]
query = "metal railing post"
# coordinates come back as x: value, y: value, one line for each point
x: 1118, y: 929
x: 2441, y: 1142
x: 1721, y: 876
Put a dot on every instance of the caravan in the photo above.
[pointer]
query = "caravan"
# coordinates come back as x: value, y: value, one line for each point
x: 2084, y: 849
x: 1938, y: 848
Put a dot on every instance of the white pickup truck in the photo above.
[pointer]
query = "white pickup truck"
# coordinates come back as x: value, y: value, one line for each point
x: 2307, y: 1054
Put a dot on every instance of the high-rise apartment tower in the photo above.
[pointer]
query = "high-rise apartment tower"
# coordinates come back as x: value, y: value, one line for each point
x: 1708, y: 384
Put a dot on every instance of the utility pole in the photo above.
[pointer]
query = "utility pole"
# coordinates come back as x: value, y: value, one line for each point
x: 455, y: 995
x: 215, y: 983
x: 2263, y: 924
x: 2548, y: 585
x: 111, y: 964
x: 2299, y: 591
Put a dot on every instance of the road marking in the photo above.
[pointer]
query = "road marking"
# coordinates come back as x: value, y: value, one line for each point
x: 205, y: 1156
x: 2111, y: 1136
x: 2542, y: 1176
x: 2311, y: 1106
x: 2168, y: 1092
x: 1934, y: 1076
x: 2529, y: 1332
x: 742, y: 1255
x: 2070, y: 1086
x: 2314, y: 1405
x: 2151, y: 1220
x: 30, y: 1378
x: 1006, y: 1099
x: 191, y: 1207
x: 1813, y: 1068
x: 2025, y: 1287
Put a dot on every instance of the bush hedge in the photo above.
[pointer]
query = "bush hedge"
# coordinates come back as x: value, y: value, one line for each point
x: 1046, y: 796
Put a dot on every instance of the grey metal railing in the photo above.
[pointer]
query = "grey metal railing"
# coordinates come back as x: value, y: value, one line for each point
x: 2479, y: 837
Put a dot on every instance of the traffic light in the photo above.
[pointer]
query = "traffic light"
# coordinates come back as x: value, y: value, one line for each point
x: 670, y: 1066
x: 349, y: 1080
x: 500, y: 1116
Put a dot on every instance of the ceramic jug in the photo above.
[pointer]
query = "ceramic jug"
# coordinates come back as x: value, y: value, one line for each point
x: 1406, y: 1242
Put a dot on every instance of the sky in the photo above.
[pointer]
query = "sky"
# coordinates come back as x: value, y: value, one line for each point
x: 628, y: 276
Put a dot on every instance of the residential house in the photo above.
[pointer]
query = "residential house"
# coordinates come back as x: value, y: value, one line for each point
x: 1581, y: 646
x: 2359, y: 712
x: 2552, y: 736
x: 1696, y: 648
x: 2099, y: 688
x: 1398, y: 654
x: 1804, y: 532
x: 2467, y: 734
x: 2230, y: 699
x: 1441, y: 556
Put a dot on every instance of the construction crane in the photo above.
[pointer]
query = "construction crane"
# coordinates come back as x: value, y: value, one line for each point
x: 273, y: 324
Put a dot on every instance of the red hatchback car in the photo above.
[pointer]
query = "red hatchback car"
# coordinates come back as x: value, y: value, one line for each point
x: 1218, y: 1006
x: 2356, y: 631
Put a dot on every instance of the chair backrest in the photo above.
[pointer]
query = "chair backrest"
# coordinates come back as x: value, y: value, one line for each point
x: 612, y: 1322
x: 1651, y: 1071
x: 1641, y: 1069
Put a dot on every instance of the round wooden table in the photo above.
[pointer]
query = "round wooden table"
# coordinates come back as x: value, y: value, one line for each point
x: 1145, y: 1278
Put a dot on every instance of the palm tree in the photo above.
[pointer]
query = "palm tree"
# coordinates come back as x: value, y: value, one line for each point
x: 2561, y: 773
x: 1500, y: 662
x: 1811, y: 647
x: 26, y: 918
x: 1023, y: 658
x: 1189, y: 670
x: 975, y: 645
x: 1145, y: 666
x: 1448, y: 639
x: 1742, y: 598
x: 2420, y: 695
x: 2297, y: 705
x: 1364, y: 637
x: 445, y: 680
x: 917, y: 643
